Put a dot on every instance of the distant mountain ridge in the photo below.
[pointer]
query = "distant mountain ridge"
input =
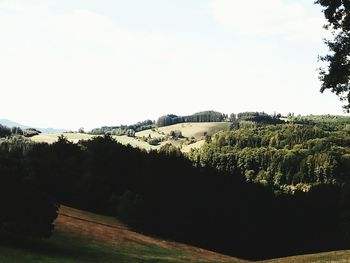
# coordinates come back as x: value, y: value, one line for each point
x: 11, y: 124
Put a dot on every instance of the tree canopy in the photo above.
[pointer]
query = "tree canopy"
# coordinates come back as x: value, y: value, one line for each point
x: 336, y: 76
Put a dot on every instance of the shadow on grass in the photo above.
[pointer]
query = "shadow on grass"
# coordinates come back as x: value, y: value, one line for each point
x: 61, y: 248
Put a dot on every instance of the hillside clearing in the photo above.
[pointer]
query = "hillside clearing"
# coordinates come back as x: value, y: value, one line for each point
x: 75, y: 137
x: 188, y: 129
x: 51, y: 138
x: 196, y: 145
x: 81, y: 237
x: 109, y: 231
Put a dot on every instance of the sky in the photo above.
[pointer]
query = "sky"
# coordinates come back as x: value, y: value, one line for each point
x: 88, y: 63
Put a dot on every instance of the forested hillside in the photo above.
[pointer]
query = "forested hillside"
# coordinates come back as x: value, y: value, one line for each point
x: 164, y: 194
x: 303, y: 151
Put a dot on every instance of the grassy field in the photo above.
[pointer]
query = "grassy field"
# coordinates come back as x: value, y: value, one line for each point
x: 190, y: 129
x: 75, y: 137
x: 135, y: 142
x: 195, y: 131
x: 51, y: 138
x: 196, y: 145
x: 81, y: 237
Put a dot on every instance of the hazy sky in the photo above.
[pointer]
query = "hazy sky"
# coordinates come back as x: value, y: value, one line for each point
x: 87, y: 63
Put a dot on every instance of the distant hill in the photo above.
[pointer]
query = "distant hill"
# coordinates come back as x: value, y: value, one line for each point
x: 193, y: 136
x: 10, y: 124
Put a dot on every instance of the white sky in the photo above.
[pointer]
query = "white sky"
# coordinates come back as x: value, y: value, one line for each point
x: 86, y: 63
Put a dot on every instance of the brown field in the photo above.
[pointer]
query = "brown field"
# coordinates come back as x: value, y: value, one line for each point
x: 107, y: 230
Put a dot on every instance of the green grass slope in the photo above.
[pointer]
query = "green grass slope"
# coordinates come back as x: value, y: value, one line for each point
x: 342, y: 256
x: 82, y: 237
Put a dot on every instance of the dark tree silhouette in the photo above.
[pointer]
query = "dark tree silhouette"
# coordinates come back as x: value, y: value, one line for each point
x: 336, y: 77
x: 24, y: 211
x: 4, y: 131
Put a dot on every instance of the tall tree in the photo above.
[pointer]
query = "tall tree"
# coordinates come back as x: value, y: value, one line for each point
x: 336, y: 76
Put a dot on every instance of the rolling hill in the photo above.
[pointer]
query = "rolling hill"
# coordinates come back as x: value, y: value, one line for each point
x: 188, y: 129
x: 193, y: 135
x: 51, y: 138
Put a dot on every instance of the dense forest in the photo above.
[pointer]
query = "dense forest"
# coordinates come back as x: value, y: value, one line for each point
x: 26, y: 210
x: 228, y: 196
x: 283, y: 154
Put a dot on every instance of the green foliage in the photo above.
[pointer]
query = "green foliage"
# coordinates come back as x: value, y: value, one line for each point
x: 16, y: 131
x: 250, y: 120
x: 176, y: 134
x: 204, y: 116
x: 16, y: 144
x: 169, y: 119
x: 154, y: 141
x: 123, y: 129
x: 130, y: 133
x: 30, y: 132
x: 67, y: 249
x: 279, y: 155
x: 4, y: 131
x: 169, y: 149
x: 337, y: 74
x: 324, y: 122
x: 259, y: 117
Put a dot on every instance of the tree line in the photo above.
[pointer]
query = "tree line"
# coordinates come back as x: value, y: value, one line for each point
x: 7, y: 132
x: 128, y: 130
x: 203, y: 116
